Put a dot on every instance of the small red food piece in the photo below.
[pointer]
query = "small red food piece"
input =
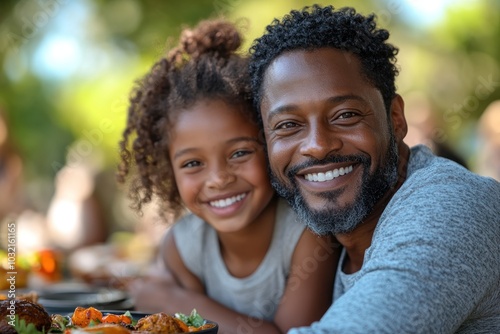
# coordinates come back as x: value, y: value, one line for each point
x: 83, y: 316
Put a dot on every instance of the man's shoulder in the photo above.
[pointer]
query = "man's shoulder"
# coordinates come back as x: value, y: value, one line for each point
x: 436, y: 177
x: 439, y: 195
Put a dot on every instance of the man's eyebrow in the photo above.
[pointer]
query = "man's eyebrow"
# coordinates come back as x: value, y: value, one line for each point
x: 332, y: 100
x: 342, y: 98
x: 231, y: 141
x: 280, y: 110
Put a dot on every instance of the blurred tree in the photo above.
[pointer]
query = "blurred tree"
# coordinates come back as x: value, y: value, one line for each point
x: 68, y: 66
x: 455, y: 61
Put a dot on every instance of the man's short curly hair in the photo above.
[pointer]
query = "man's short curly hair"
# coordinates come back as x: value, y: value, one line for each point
x: 318, y: 27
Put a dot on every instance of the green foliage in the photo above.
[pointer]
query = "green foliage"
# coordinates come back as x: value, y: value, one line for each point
x: 116, y: 42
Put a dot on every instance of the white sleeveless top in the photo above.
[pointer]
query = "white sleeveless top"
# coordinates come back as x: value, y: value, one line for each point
x: 257, y: 295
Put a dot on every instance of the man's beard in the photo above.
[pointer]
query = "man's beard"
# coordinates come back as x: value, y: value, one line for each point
x: 342, y: 219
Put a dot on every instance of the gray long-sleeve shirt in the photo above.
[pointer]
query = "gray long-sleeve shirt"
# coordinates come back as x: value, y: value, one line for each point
x: 434, y: 262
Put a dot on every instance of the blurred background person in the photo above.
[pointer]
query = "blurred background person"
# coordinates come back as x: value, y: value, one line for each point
x: 14, y: 209
x: 424, y: 128
x: 488, y: 156
x: 11, y: 171
x: 75, y: 217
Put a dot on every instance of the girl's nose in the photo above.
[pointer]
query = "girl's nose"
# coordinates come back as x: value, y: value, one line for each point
x: 220, y: 179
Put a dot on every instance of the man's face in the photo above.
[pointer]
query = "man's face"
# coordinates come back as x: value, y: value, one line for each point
x: 331, y: 148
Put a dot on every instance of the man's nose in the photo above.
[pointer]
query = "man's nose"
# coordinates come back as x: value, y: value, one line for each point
x: 320, y: 141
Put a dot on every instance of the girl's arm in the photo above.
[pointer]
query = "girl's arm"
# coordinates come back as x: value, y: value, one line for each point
x: 309, y: 290
x: 181, y: 291
x: 174, y: 264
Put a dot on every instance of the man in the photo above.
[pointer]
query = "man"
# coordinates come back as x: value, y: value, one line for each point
x: 420, y: 234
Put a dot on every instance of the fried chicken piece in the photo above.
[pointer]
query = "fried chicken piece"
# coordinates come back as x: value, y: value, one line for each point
x: 30, y: 312
x: 82, y: 317
x: 161, y: 323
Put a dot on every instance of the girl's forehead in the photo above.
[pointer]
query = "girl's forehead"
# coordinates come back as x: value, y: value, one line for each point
x: 213, y: 111
x: 214, y: 117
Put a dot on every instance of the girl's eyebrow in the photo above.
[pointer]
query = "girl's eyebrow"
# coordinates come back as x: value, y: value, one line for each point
x: 238, y: 139
x: 231, y: 141
x: 183, y: 151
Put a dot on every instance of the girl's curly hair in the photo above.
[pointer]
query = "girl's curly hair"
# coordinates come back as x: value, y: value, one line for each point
x: 203, y: 66
x: 317, y: 27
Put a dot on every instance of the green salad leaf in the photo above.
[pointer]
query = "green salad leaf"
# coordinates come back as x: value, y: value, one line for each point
x: 194, y: 319
x: 22, y: 328
x: 128, y: 314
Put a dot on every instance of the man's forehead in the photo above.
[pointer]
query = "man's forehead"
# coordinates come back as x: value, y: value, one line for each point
x: 309, y: 67
x: 315, y: 62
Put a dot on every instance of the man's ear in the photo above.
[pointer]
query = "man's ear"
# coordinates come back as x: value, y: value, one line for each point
x: 398, y: 118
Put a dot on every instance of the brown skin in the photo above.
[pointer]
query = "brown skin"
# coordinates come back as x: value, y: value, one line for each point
x: 214, y: 160
x: 326, y: 106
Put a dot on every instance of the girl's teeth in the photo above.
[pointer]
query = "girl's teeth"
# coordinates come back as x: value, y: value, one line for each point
x: 222, y: 203
x: 330, y: 175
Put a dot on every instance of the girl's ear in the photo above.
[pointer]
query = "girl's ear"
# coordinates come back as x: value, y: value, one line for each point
x: 398, y: 118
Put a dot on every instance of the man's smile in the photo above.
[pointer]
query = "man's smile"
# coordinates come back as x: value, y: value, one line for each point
x: 330, y: 175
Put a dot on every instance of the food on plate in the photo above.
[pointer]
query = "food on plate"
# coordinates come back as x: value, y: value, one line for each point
x: 31, y: 318
x: 85, y: 320
x: 161, y: 323
x: 23, y: 313
x: 82, y: 317
x: 117, y: 319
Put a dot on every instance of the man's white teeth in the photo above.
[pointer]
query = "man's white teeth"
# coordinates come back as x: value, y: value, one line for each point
x: 222, y: 203
x: 330, y: 175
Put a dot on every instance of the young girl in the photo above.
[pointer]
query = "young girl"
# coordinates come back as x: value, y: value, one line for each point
x: 240, y: 256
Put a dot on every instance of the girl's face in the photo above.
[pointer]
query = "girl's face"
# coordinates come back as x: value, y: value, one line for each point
x: 219, y: 165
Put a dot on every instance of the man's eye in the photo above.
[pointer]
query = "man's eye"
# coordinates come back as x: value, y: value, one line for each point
x: 347, y: 114
x: 286, y: 125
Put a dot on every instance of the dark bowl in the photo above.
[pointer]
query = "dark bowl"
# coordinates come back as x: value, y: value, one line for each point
x: 65, y: 297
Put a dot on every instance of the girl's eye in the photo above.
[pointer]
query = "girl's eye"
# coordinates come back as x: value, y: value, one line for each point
x: 191, y: 164
x: 241, y: 153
